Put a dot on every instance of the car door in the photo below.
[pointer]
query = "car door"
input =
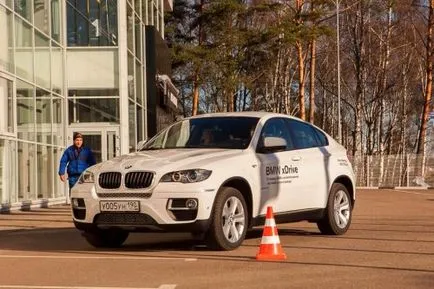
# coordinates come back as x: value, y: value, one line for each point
x: 310, y: 158
x: 277, y: 169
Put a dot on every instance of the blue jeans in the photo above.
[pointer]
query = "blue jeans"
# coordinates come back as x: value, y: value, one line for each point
x: 72, y: 180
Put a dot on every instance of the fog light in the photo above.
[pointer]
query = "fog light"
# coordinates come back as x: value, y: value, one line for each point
x: 74, y: 203
x: 191, y: 204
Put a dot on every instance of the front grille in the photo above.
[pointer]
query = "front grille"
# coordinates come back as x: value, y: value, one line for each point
x: 123, y: 219
x: 125, y: 195
x: 110, y: 180
x: 138, y: 180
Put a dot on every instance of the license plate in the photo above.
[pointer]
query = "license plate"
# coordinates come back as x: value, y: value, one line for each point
x: 119, y: 206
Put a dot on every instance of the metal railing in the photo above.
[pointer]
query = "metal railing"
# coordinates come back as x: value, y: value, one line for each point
x: 404, y: 170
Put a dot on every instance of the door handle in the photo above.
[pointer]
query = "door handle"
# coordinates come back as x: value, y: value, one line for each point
x: 296, y: 158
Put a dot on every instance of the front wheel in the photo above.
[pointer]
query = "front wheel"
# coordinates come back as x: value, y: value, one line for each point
x: 228, y: 221
x: 337, y: 218
x: 110, y: 238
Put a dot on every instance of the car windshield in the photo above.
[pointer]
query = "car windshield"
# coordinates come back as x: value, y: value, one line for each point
x: 206, y: 132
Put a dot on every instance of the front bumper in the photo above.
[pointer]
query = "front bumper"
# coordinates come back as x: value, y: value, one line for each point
x: 154, y: 214
x: 198, y: 226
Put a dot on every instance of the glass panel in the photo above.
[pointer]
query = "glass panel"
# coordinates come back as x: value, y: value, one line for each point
x: 77, y: 23
x: 8, y: 166
x: 24, y: 8
x: 132, y: 126
x: 93, y: 141
x: 6, y: 44
x: 10, y: 3
x: 59, y: 187
x: 94, y: 92
x: 92, y: 23
x: 26, y: 170
x: 45, y: 172
x: 55, y: 21
x: 139, y: 123
x: 112, y: 25
x: 57, y: 68
x: 40, y: 9
x: 150, y: 12
x: 138, y: 82
x: 138, y: 38
x: 144, y: 10
x: 42, y: 60
x: 24, y: 51
x: 156, y: 18
x: 95, y: 31
x: 93, y: 110
x: 43, y: 116
x: 131, y: 84
x: 111, y: 144
x: 57, y: 121
x: 137, y: 7
x: 6, y: 106
x: 130, y: 28
x: 25, y: 111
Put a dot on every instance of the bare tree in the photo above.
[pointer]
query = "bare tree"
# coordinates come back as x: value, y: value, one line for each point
x: 429, y: 48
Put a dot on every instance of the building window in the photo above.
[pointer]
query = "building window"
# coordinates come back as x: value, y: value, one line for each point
x: 92, y: 23
x: 8, y: 166
x: 6, y: 106
x: 24, y: 8
x: 93, y: 110
x: 6, y: 42
x: 40, y: 12
x: 55, y: 20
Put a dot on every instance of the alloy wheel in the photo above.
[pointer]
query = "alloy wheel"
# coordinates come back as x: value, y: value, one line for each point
x: 233, y: 219
x: 341, y: 209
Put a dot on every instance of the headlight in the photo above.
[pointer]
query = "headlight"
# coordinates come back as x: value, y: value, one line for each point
x: 86, y: 177
x: 187, y: 176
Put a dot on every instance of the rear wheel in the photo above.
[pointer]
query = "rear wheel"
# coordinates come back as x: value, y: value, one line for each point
x: 337, y: 218
x: 229, y: 220
x: 111, y: 238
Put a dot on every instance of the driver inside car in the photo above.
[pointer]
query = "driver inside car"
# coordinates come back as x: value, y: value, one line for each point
x: 207, y: 137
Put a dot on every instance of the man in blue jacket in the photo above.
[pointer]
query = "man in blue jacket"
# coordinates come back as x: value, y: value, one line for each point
x: 76, y: 159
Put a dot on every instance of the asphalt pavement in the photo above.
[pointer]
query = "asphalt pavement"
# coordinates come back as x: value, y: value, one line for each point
x: 390, y: 245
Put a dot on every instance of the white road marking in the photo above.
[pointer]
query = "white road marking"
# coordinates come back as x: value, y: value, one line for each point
x: 96, y: 257
x: 164, y: 286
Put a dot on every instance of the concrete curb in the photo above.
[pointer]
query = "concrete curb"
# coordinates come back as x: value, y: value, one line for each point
x: 29, y: 205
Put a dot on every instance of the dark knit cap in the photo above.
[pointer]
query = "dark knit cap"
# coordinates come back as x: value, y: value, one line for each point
x: 77, y: 135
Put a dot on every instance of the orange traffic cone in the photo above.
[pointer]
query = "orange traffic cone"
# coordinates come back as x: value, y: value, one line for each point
x: 270, y: 248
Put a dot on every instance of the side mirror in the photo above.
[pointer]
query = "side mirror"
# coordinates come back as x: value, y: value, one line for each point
x: 140, y: 144
x: 272, y: 144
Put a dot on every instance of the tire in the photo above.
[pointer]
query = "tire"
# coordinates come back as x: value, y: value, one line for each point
x: 229, y: 220
x: 337, y: 218
x: 110, y: 238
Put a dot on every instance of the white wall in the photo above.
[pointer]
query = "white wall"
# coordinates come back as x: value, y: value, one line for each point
x: 92, y: 68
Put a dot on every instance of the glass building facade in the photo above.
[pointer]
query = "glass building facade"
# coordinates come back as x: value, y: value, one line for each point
x: 66, y: 66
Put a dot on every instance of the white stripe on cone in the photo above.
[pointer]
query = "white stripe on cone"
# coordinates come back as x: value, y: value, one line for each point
x: 270, y: 240
x: 270, y: 223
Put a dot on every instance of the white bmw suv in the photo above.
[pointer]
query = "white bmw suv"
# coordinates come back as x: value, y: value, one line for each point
x: 214, y: 176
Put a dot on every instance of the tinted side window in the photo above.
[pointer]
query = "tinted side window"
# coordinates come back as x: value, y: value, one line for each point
x: 276, y: 127
x: 303, y: 134
x: 323, y: 141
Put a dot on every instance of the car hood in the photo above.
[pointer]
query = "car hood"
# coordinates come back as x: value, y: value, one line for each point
x: 156, y: 160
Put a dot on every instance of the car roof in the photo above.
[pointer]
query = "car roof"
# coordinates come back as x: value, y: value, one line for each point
x: 258, y: 114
